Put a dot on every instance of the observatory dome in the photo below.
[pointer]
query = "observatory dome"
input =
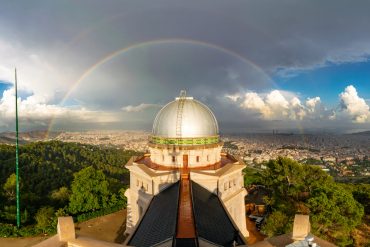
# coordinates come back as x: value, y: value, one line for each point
x: 185, y: 118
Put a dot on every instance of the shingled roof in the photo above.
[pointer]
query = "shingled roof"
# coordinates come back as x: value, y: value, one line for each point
x: 159, y: 221
x: 211, y: 219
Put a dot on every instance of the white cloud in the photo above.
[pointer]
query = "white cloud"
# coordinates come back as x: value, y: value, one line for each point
x: 35, y: 72
x: 275, y: 105
x: 281, y: 105
x: 354, y: 105
x: 35, y: 112
x: 313, y: 104
x: 253, y: 101
x: 297, y: 109
x: 233, y: 97
x: 139, y: 108
x: 285, y: 105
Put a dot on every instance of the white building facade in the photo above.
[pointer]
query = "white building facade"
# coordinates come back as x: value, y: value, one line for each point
x: 185, y: 140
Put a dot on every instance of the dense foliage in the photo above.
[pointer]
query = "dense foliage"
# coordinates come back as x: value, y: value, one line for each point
x: 334, y: 209
x: 58, y: 179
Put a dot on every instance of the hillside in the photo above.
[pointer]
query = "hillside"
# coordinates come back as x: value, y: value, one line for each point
x: 362, y: 133
x: 51, y: 174
x: 27, y: 137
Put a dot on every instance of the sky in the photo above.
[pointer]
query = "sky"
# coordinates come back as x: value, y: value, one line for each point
x: 295, y: 66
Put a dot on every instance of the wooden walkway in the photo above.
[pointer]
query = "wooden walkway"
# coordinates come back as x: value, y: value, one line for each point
x: 185, y: 218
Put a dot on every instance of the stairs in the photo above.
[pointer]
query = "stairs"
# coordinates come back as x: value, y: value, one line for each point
x: 180, y: 107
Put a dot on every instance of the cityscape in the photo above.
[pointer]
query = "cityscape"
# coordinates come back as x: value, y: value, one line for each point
x: 342, y: 155
x: 346, y: 155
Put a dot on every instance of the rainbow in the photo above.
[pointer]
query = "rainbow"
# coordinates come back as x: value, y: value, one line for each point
x: 129, y: 48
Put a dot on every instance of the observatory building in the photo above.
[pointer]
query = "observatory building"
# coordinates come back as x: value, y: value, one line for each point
x: 185, y: 191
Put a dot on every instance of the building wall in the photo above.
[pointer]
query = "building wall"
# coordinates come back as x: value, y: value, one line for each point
x: 196, y: 157
x: 229, y: 186
x: 236, y: 208
x: 230, y: 189
x: 142, y: 189
x: 232, y: 193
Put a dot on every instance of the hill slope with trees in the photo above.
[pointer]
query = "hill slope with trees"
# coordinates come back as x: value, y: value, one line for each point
x: 55, y: 178
x: 335, y: 209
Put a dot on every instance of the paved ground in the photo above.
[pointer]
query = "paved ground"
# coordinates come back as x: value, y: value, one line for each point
x: 107, y: 228
x: 20, y: 242
x: 254, y: 235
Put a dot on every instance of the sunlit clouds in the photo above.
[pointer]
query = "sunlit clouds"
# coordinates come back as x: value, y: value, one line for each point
x: 278, y: 105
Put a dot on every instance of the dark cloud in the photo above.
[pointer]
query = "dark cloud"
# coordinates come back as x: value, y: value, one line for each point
x: 276, y: 37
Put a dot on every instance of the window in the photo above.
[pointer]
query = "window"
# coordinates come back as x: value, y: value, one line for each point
x: 173, y: 158
x: 162, y: 157
x: 225, y: 186
x: 207, y: 157
x: 234, y: 181
x: 137, y: 182
x: 229, y: 184
x: 197, y: 158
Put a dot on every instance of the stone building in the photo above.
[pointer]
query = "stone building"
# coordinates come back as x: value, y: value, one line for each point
x: 185, y: 191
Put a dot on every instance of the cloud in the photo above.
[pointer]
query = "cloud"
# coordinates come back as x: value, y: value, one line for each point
x: 34, y: 112
x: 139, y: 108
x: 51, y: 56
x: 286, y: 106
x: 274, y: 105
x: 354, y: 105
x: 282, y: 105
x: 313, y: 104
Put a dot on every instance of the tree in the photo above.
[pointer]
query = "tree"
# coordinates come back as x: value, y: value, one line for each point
x: 334, y: 213
x: 361, y: 193
x: 89, y: 191
x: 61, y: 195
x: 9, y: 187
x: 45, y: 218
x: 276, y: 224
x: 307, y: 189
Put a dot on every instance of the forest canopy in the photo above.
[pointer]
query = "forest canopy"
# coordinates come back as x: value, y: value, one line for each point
x: 52, y: 175
x: 335, y: 209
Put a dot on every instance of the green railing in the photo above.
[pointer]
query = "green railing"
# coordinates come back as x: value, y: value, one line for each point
x: 185, y: 141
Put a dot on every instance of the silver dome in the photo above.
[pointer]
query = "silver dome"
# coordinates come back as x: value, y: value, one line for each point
x: 185, y: 118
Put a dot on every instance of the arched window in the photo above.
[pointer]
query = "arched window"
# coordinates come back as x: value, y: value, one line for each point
x: 197, y: 158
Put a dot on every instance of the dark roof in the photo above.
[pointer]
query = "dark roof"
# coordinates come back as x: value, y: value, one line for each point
x: 185, y: 242
x: 211, y: 219
x: 159, y: 221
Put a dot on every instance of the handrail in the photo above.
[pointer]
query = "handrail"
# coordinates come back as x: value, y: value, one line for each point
x: 177, y: 214
x: 192, y: 206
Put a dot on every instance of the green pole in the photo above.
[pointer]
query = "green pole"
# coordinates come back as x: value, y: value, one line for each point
x: 16, y: 151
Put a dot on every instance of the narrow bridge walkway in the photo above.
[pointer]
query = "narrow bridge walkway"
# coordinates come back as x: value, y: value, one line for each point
x: 185, y: 218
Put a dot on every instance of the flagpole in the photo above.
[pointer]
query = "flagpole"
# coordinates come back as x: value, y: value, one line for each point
x: 16, y: 150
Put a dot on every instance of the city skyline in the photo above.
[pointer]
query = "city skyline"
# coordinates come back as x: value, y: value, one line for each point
x: 259, y: 65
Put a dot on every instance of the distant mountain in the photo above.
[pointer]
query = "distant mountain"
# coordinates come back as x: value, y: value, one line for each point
x: 25, y: 137
x: 367, y: 132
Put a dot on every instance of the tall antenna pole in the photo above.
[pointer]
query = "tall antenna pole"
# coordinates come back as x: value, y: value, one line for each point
x: 16, y: 150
